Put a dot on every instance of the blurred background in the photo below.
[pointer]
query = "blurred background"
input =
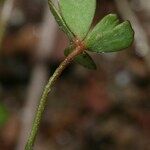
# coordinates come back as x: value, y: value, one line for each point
x: 106, y: 109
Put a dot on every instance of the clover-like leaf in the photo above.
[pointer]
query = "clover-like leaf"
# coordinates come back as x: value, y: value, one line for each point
x: 106, y: 24
x: 78, y: 15
x: 108, y: 36
x: 83, y: 59
x: 59, y: 20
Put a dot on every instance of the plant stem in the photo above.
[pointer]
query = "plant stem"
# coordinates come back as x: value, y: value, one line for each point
x: 43, y: 101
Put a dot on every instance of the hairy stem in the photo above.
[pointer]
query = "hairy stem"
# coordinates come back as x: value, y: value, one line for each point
x: 43, y: 101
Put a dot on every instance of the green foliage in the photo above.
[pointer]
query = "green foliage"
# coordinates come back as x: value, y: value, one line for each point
x: 75, y: 17
x: 83, y: 59
x: 3, y: 115
x: 109, y: 35
x: 106, y: 24
x: 78, y: 15
x: 60, y: 20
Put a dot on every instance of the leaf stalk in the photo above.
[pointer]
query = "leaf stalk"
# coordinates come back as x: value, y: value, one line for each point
x: 43, y: 101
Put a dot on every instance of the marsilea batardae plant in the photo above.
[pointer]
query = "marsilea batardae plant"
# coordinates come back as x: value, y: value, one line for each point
x: 75, y: 17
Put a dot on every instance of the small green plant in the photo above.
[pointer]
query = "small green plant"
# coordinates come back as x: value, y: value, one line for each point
x: 74, y: 17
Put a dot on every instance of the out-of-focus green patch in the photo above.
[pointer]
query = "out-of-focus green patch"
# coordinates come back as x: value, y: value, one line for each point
x: 3, y: 115
x: 2, y: 1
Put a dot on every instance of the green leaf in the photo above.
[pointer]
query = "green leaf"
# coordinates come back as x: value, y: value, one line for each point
x: 83, y: 59
x: 106, y: 24
x: 78, y: 15
x: 108, y: 36
x: 60, y: 20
